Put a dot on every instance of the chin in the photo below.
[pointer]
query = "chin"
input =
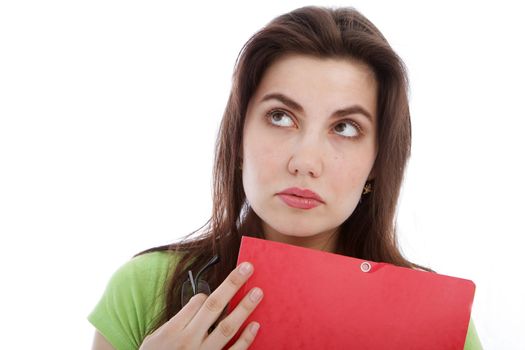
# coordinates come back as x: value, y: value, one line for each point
x: 298, y: 229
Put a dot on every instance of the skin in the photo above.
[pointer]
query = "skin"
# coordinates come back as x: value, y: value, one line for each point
x: 188, y: 329
x: 286, y: 146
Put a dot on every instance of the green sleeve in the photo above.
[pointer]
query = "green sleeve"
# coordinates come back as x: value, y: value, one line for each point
x: 133, y: 299
x: 472, y: 342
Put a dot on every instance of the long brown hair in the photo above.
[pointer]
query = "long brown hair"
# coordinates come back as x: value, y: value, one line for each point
x: 369, y: 233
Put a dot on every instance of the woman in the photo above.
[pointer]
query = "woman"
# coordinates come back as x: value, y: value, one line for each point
x: 311, y: 151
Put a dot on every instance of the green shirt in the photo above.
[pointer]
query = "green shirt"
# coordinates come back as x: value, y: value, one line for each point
x: 135, y: 297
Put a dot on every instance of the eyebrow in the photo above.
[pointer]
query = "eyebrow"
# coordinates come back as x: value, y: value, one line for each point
x: 355, y: 109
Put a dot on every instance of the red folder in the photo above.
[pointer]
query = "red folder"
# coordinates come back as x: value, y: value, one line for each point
x: 318, y: 300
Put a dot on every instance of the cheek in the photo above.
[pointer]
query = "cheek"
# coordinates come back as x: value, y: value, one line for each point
x: 345, y: 183
x: 262, y: 144
x: 349, y: 174
x: 262, y: 159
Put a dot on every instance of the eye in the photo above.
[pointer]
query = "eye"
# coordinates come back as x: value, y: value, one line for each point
x: 348, y: 128
x: 279, y: 118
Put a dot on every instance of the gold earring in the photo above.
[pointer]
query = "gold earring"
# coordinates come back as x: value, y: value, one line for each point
x: 368, y: 188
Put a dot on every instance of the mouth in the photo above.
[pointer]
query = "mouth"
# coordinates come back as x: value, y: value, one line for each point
x: 300, y: 198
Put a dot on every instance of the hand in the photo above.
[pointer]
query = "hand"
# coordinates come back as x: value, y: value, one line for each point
x: 188, y: 329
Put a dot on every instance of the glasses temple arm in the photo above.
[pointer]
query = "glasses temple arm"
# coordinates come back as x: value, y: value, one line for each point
x: 213, y: 261
x: 192, y: 281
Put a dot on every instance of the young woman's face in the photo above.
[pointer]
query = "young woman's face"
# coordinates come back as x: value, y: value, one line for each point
x: 310, y: 126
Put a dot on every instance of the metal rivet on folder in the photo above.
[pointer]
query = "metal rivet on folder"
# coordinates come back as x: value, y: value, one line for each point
x: 365, y: 267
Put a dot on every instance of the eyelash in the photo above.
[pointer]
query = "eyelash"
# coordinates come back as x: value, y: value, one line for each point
x: 272, y: 112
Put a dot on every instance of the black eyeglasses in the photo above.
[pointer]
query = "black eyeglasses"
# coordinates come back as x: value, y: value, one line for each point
x: 193, y: 286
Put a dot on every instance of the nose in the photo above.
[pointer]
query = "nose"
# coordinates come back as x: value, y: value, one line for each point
x: 307, y: 158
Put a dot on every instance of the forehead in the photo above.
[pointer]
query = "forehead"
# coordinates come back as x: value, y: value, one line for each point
x: 333, y: 81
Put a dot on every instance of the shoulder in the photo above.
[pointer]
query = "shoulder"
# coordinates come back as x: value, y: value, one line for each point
x: 134, y: 298
x: 142, y: 276
x: 472, y: 341
x: 142, y: 279
x: 147, y: 267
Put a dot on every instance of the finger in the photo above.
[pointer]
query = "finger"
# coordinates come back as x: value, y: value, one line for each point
x: 229, y: 326
x: 217, y: 301
x: 247, y: 337
x: 186, y: 314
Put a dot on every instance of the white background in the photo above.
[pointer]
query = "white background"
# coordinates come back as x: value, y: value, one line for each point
x: 108, y: 117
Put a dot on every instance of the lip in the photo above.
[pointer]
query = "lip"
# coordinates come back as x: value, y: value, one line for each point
x: 300, y: 198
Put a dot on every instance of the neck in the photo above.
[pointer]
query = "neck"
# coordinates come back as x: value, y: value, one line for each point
x: 324, y: 241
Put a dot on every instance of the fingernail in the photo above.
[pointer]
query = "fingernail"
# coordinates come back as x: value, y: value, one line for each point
x: 256, y: 294
x: 254, y: 328
x: 245, y: 268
